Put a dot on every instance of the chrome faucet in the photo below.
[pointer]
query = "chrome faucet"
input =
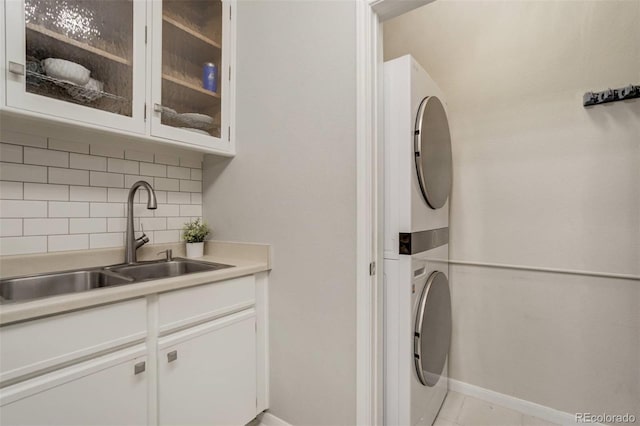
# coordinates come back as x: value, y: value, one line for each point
x: 132, y: 243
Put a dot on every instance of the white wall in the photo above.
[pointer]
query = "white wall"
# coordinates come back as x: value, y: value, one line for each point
x: 540, y: 181
x: 293, y: 185
x: 67, y: 190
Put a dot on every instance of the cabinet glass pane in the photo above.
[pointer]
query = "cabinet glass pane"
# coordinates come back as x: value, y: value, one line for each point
x: 191, y: 58
x: 81, y: 51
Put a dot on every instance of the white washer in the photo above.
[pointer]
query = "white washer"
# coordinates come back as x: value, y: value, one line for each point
x: 417, y: 161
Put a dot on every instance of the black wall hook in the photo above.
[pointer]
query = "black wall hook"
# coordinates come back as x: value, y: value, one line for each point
x: 611, y: 95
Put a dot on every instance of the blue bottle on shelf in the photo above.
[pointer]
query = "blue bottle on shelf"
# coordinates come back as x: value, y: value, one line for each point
x: 210, y: 77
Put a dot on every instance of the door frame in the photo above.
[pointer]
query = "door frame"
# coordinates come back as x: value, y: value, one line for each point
x: 370, y: 203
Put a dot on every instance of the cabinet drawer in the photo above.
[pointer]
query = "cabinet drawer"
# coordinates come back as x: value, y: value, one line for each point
x: 181, y: 308
x: 36, y: 346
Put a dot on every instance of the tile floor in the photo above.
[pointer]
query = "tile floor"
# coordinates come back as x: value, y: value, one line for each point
x: 463, y: 410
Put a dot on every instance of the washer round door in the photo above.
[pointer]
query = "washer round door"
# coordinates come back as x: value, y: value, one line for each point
x: 432, y: 149
x: 433, y: 329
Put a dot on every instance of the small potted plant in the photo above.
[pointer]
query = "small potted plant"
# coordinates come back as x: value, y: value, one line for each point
x: 194, y: 233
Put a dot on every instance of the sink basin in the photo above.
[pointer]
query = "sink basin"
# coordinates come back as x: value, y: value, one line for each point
x: 15, y: 289
x: 164, y: 269
x: 44, y: 285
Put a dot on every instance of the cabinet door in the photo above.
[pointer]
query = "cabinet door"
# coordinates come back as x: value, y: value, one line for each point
x: 207, y: 374
x: 82, y: 60
x: 111, y: 390
x: 192, y: 43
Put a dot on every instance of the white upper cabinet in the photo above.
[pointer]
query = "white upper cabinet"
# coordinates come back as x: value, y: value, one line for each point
x: 191, y: 71
x: 157, y: 69
x: 80, y: 60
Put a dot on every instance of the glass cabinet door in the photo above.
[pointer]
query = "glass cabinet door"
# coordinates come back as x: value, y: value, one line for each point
x: 80, y: 52
x: 191, y: 69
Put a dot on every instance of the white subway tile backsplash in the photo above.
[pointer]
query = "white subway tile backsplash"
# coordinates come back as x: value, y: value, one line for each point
x: 161, y: 196
x: 106, y: 150
x: 68, y: 176
x: 68, y: 209
x: 178, y: 198
x: 46, y: 157
x: 68, y: 242
x: 176, y: 222
x: 10, y: 153
x: 87, y: 193
x: 190, y: 186
x: 10, y: 190
x: 88, y: 162
x: 129, y: 180
x: 70, y: 146
x: 87, y: 225
x: 23, y: 172
x: 46, y: 226
x: 107, y: 210
x: 190, y: 210
x: 167, y: 184
x: 196, y: 174
x: 115, y: 165
x: 113, y: 239
x: 45, y: 191
x: 22, y: 245
x: 167, y: 210
x: 193, y: 162
x: 171, y: 236
x: 141, y: 210
x: 23, y: 139
x: 169, y: 159
x: 119, y: 224
x: 138, y: 155
x: 149, y: 169
x: 10, y: 227
x: 117, y: 195
x: 178, y: 172
x: 153, y: 223
x: 113, y: 180
x: 57, y: 194
x: 19, y: 208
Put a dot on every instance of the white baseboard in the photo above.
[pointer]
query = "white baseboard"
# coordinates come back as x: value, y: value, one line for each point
x: 268, y: 419
x: 527, y: 407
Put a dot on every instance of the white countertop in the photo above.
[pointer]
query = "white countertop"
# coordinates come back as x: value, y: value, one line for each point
x: 247, y: 259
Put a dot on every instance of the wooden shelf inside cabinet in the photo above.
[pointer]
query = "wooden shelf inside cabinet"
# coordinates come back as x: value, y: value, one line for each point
x: 77, y: 44
x: 190, y: 86
x: 190, y: 31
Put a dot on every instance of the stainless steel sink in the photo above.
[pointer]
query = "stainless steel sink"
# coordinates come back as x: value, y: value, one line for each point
x: 173, y: 268
x: 15, y: 289
x: 44, y: 285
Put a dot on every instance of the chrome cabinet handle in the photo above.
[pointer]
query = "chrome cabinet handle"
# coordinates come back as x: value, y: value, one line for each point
x: 139, y: 367
x: 16, y: 68
x: 172, y: 356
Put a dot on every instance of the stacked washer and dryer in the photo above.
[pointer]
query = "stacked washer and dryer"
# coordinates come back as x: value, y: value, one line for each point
x: 417, y: 161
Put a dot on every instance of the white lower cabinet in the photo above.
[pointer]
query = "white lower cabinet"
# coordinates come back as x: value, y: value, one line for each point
x: 109, y: 390
x: 207, y: 373
x: 184, y: 357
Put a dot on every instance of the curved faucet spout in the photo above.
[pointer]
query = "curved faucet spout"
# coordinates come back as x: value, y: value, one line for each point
x: 131, y: 245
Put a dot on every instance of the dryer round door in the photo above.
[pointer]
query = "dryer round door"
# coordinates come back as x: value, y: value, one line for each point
x: 432, y: 149
x: 433, y: 329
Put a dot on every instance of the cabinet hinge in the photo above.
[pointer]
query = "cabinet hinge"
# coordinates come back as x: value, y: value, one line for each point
x: 145, y: 35
x: 229, y: 133
x: 229, y: 72
x: 145, y: 111
x: 372, y: 268
x: 229, y: 12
